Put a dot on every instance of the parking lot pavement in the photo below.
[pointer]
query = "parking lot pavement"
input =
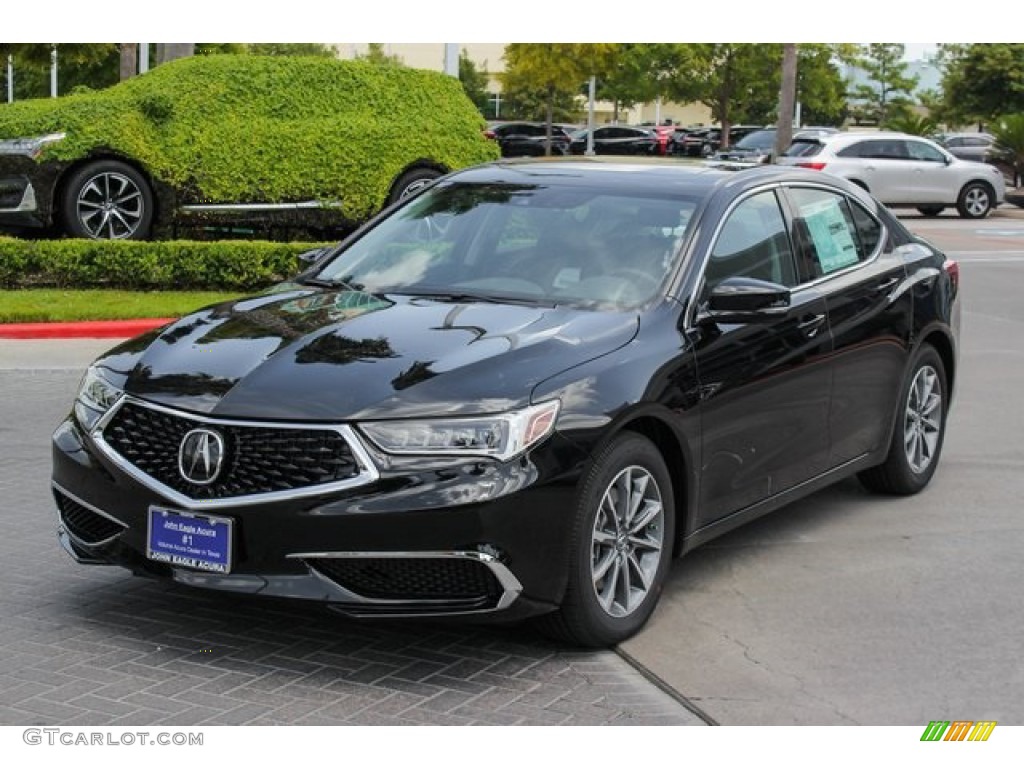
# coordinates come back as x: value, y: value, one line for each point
x: 92, y: 646
x: 848, y: 608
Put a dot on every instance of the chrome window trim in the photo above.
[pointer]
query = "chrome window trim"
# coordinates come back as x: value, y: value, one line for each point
x: 691, y: 310
x: 510, y: 585
x: 230, y: 207
x: 368, y: 472
x: 92, y: 508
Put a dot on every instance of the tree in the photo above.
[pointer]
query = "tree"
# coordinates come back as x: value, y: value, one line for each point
x: 916, y: 125
x: 888, y: 92
x: 474, y: 82
x: 982, y: 81
x: 642, y: 72
x: 91, y: 65
x: 787, y: 99
x: 821, y: 89
x: 736, y: 81
x: 291, y: 49
x: 375, y: 54
x: 129, y: 60
x: 1009, y: 133
x: 556, y: 70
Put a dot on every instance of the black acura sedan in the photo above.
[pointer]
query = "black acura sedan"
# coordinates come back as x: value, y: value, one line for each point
x: 520, y: 393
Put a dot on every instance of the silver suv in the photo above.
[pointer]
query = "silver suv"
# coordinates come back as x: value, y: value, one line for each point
x: 903, y: 171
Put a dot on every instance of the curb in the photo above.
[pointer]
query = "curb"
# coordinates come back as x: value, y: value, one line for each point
x: 90, y: 329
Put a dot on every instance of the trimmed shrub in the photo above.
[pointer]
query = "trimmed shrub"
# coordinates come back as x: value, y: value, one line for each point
x: 169, y: 265
x: 254, y: 129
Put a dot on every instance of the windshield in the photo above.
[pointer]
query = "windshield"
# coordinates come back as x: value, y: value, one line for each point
x: 531, y: 242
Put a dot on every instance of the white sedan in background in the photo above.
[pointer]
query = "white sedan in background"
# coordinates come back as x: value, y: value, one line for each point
x: 903, y: 171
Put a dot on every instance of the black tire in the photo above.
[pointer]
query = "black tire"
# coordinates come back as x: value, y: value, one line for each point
x: 107, y: 200
x: 931, y: 210
x: 587, y: 618
x: 922, y: 434
x: 412, y: 181
x: 976, y: 201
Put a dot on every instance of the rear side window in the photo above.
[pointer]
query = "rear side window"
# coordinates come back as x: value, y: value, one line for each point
x: 921, y: 151
x: 834, y: 234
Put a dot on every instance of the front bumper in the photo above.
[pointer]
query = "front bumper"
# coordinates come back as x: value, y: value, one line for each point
x: 26, y: 189
x: 459, y: 537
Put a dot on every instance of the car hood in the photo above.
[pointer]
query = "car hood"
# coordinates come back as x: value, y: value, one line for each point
x: 337, y: 355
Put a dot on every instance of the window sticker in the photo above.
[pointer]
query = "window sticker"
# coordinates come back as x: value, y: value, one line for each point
x: 830, y: 234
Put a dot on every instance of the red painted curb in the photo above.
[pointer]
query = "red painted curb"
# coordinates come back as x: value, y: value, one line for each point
x: 90, y: 329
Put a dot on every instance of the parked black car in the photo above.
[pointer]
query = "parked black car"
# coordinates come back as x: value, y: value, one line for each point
x: 523, y: 139
x: 616, y: 140
x: 521, y: 392
x: 704, y: 142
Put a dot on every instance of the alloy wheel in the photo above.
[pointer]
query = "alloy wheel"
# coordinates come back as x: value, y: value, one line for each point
x: 627, y: 541
x: 976, y: 201
x: 110, y: 206
x: 922, y: 422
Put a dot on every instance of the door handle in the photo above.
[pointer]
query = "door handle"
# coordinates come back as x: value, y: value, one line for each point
x: 887, y: 285
x: 811, y: 324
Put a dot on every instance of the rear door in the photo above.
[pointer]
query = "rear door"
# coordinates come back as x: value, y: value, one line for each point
x: 846, y: 255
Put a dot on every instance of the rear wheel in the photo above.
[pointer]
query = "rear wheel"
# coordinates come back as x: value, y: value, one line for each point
x: 931, y: 210
x: 919, y: 431
x: 975, y: 201
x: 620, y: 548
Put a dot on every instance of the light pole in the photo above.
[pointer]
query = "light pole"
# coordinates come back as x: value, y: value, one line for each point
x: 10, y: 78
x: 53, y: 72
x: 591, y: 98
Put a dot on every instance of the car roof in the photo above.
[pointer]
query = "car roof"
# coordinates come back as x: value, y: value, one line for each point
x: 617, y: 173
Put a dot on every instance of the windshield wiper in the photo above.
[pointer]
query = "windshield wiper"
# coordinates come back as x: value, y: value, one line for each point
x: 464, y: 296
x: 334, y: 282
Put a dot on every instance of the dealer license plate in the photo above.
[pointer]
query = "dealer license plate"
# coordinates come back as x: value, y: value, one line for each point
x: 192, y: 540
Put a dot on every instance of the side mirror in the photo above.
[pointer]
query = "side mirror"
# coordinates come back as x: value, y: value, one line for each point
x: 746, y: 300
x: 309, y: 258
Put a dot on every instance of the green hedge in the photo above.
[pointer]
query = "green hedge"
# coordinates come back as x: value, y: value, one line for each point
x: 169, y: 265
x: 268, y: 128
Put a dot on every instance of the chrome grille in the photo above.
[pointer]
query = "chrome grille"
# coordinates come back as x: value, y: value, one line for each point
x: 258, y: 459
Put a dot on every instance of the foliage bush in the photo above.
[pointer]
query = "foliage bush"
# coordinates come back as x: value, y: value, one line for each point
x: 169, y: 265
x: 236, y: 128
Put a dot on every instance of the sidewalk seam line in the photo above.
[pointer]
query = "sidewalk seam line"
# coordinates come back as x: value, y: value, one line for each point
x: 663, y: 686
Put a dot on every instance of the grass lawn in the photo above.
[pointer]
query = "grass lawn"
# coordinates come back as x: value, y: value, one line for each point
x: 56, y: 305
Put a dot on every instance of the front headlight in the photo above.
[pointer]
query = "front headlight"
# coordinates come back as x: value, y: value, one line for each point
x: 30, y: 147
x: 96, y: 396
x: 502, y: 436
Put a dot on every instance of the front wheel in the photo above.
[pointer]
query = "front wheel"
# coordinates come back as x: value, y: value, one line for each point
x: 620, y: 547
x: 411, y: 182
x: 107, y: 200
x: 975, y: 201
x: 920, y: 428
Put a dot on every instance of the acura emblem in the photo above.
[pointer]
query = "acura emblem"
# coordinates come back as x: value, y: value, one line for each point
x: 200, y: 456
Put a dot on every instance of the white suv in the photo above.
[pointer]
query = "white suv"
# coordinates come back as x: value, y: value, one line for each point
x: 903, y: 171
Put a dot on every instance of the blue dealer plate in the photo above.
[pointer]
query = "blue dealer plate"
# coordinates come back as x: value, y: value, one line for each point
x: 194, y: 541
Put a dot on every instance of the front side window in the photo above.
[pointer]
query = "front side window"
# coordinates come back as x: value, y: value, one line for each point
x: 753, y: 242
